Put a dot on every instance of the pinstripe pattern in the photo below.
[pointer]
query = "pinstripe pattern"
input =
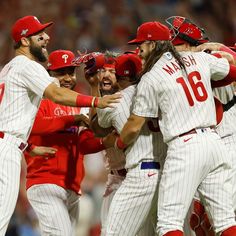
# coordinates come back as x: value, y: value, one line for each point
x: 113, y: 183
x: 230, y: 142
x: 143, y: 148
x: 130, y: 208
x: 227, y: 130
x: 56, y: 208
x: 170, y: 99
x: 193, y: 161
x: 226, y: 127
x: 132, y: 203
x: 207, y: 168
x: 25, y: 82
x: 10, y: 162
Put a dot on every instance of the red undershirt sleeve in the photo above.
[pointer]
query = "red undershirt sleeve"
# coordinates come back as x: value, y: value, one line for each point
x: 88, y: 143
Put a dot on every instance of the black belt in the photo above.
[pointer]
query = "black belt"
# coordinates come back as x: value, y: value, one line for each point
x: 229, y: 104
x: 22, y: 145
x: 193, y: 131
x: 150, y: 165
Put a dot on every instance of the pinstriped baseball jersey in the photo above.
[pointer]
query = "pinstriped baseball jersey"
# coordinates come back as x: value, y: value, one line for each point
x: 22, y: 83
x: 184, y: 103
x: 141, y: 149
x: 227, y: 126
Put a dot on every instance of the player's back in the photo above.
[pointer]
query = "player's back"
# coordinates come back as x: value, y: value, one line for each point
x: 184, y: 100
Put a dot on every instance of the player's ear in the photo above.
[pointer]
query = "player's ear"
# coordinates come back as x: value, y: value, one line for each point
x: 25, y: 42
x: 152, y: 45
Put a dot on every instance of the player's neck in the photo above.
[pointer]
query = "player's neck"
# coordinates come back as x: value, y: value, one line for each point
x: 25, y: 52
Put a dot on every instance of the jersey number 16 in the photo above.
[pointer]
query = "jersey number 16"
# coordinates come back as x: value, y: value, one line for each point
x: 198, y: 87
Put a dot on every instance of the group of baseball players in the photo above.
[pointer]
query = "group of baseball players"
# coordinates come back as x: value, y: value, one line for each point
x: 163, y: 114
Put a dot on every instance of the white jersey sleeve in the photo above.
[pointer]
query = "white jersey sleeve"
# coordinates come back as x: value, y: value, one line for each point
x: 219, y: 67
x: 146, y: 99
x: 105, y: 117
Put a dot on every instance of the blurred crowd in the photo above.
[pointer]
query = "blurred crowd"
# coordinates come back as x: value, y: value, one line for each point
x: 98, y: 25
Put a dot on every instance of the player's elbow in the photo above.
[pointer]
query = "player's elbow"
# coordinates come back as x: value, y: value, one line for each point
x: 54, y: 93
x: 134, y: 131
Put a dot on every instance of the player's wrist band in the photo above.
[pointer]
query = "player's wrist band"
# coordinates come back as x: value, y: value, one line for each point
x: 30, y: 147
x: 217, y: 55
x: 94, y: 102
x: 86, y: 101
x: 119, y: 144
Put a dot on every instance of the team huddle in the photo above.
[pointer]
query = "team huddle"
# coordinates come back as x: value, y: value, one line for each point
x: 162, y: 114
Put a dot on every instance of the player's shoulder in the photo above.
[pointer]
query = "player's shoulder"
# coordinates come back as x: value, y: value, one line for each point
x: 129, y: 91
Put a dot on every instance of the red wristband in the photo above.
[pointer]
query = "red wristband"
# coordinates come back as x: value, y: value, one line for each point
x: 119, y: 144
x: 85, y: 101
x: 217, y: 55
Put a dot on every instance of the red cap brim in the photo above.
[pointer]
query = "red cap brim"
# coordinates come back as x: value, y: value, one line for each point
x: 136, y: 41
x: 44, y: 26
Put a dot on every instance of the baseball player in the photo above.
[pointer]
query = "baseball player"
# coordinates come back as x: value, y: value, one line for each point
x: 100, y: 73
x: 186, y: 38
x: 181, y: 96
x: 133, y: 204
x: 23, y: 82
x: 53, y: 182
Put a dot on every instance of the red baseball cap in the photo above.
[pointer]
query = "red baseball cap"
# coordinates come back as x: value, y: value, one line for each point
x: 128, y: 65
x: 151, y: 31
x: 27, y: 26
x: 60, y: 59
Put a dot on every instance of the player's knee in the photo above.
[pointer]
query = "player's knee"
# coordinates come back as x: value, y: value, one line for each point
x: 174, y: 233
x: 229, y: 232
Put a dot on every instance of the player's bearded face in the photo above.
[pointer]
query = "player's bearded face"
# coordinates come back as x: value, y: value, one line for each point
x: 107, y: 81
x: 145, y: 49
x: 38, y: 45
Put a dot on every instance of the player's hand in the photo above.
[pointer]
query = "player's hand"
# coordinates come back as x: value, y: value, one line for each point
x: 108, y: 100
x: 209, y: 47
x: 81, y: 120
x: 110, y: 139
x: 227, y: 56
x: 43, y: 151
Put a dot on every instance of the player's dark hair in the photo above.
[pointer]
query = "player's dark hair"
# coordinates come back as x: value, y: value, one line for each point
x: 134, y: 79
x: 17, y: 45
x: 160, y: 48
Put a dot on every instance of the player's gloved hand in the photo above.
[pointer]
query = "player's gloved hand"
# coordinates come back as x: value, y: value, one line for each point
x: 93, y: 61
x: 108, y: 100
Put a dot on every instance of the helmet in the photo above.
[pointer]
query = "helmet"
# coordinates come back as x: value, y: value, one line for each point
x: 183, y: 30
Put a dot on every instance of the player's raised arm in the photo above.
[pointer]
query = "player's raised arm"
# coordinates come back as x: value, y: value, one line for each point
x: 70, y: 98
